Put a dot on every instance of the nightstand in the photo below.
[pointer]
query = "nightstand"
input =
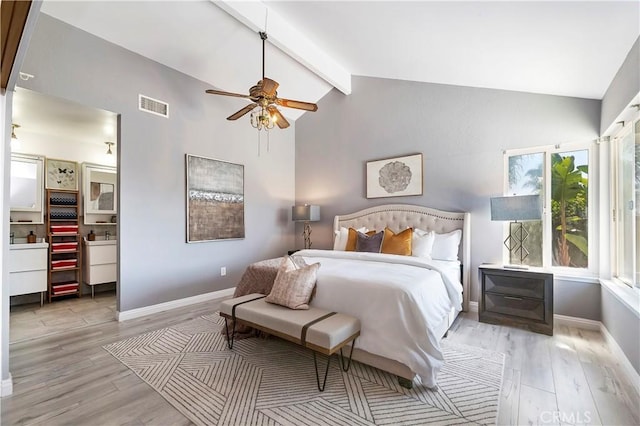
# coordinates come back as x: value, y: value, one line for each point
x: 517, y: 297
x: 290, y: 252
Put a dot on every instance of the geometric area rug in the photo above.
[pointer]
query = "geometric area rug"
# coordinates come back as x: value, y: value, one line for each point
x: 268, y: 381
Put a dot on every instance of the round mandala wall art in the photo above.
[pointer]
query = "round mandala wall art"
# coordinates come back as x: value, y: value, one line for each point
x: 395, y: 177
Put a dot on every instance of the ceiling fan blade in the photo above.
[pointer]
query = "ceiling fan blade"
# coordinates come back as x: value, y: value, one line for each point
x: 269, y: 86
x: 307, y: 106
x: 242, y: 112
x: 220, y: 92
x: 280, y: 120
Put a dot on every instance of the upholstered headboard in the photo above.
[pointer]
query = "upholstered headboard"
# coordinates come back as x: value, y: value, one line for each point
x: 402, y: 216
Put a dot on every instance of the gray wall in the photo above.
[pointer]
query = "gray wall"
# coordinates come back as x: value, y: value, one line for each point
x: 461, y: 131
x: 621, y: 320
x: 623, y: 324
x: 156, y: 265
x: 622, y: 89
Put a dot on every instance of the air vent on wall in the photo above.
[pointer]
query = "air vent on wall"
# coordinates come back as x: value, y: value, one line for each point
x: 153, y: 106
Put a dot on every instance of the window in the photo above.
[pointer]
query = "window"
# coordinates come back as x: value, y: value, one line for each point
x: 525, y: 178
x: 561, y: 177
x: 626, y: 166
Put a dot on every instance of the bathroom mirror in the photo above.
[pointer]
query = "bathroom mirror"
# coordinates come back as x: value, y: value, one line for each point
x: 26, y: 194
x: 99, y: 190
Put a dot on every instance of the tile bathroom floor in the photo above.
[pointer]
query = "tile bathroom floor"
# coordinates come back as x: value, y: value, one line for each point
x: 31, y: 321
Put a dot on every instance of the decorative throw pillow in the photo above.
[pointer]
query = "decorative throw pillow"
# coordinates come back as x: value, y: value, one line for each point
x: 369, y: 243
x: 353, y: 237
x: 293, y: 285
x: 422, y: 243
x: 341, y: 237
x: 445, y: 246
x: 399, y: 243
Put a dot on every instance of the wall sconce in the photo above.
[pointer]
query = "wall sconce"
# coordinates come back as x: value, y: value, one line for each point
x: 306, y: 214
x: 109, y: 145
x: 521, y: 207
x: 15, y: 142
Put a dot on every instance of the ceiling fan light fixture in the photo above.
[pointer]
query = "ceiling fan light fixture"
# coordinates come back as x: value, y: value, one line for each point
x: 264, y: 98
x: 263, y: 119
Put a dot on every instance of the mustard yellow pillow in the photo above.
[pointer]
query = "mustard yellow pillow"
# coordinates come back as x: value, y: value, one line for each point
x: 399, y: 243
x: 352, y: 239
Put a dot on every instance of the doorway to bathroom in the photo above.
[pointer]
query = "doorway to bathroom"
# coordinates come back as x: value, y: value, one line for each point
x: 63, y: 216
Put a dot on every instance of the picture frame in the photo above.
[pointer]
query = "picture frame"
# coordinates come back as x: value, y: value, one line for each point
x: 394, y: 177
x: 61, y: 174
x: 214, y: 199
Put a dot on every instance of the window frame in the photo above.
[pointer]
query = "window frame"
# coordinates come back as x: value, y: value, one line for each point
x: 616, y: 213
x: 592, y: 212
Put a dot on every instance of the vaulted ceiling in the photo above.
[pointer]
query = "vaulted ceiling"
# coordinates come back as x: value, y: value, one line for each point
x: 571, y: 48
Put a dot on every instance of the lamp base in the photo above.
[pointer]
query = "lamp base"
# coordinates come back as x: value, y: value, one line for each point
x: 510, y: 266
x: 306, y: 234
x: 515, y: 242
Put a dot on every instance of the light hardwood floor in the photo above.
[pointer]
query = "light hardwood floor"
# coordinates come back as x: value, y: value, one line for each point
x: 68, y: 379
x: 31, y: 320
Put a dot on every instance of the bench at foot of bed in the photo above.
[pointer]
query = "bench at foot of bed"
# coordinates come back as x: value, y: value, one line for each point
x: 321, y: 331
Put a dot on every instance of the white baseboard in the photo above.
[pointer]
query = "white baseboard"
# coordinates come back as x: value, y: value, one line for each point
x: 160, y: 307
x: 473, y: 306
x: 618, y: 354
x: 585, y: 324
x: 6, y: 388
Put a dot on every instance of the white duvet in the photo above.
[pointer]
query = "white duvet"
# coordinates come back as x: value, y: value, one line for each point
x: 400, y: 301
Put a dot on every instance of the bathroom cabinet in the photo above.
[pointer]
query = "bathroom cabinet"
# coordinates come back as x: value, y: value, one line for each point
x: 100, y: 260
x: 28, y: 269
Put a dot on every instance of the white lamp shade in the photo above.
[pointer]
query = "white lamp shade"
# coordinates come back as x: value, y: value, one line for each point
x: 306, y: 213
x: 520, y: 207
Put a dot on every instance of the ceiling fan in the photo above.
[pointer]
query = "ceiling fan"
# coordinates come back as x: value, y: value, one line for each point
x: 264, y: 96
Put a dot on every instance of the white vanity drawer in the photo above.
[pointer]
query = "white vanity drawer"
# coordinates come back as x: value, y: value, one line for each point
x: 99, y: 274
x: 100, y: 255
x: 28, y: 260
x: 27, y: 282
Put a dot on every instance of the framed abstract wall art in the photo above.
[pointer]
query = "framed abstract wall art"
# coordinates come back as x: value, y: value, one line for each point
x: 395, y: 177
x: 62, y: 174
x: 215, y: 199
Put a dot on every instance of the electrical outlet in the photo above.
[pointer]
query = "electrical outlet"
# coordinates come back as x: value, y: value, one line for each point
x: 223, y: 271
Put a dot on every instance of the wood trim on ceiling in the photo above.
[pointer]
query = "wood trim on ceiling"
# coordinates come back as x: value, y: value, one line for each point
x: 13, y: 17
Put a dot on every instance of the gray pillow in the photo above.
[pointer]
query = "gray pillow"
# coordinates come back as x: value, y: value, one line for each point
x: 370, y: 244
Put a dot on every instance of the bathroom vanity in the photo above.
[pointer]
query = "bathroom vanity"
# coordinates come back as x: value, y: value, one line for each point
x: 28, y: 269
x: 100, y: 262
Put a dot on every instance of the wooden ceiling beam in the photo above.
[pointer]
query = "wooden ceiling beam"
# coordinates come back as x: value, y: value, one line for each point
x: 13, y: 17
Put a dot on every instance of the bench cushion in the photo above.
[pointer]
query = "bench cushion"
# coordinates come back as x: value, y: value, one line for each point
x: 327, y: 334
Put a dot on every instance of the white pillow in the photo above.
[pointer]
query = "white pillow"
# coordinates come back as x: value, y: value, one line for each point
x: 341, y: 237
x: 445, y: 246
x: 422, y: 243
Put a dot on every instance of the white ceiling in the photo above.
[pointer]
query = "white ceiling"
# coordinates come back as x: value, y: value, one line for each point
x: 571, y: 48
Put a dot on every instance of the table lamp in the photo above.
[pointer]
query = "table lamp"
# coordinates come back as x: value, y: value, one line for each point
x: 306, y: 213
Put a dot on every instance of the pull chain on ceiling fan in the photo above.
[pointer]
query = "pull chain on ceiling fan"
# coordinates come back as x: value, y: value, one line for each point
x: 264, y: 97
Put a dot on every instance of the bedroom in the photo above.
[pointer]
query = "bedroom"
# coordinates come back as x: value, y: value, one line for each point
x: 468, y: 127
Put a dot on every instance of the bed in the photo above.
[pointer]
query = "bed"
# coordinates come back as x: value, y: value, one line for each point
x: 402, y: 323
x: 339, y: 287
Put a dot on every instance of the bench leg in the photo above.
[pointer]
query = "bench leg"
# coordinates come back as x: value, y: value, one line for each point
x: 342, y: 362
x: 326, y: 372
x: 233, y: 333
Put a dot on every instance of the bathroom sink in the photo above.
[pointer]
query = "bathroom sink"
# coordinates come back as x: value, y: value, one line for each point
x: 22, y: 244
x: 100, y: 241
